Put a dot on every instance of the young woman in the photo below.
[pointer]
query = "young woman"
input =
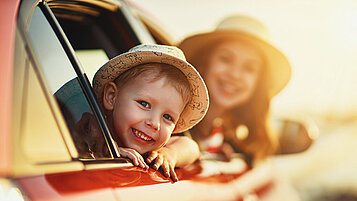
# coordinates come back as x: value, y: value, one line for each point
x: 242, y: 71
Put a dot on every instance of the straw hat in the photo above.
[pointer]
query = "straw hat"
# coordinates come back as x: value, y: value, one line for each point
x: 250, y: 30
x: 141, y: 54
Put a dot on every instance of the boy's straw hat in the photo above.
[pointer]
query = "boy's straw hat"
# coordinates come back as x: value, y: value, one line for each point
x: 141, y: 54
x: 247, y: 29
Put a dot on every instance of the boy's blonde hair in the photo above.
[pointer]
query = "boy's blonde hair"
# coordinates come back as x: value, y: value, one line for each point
x: 156, y: 71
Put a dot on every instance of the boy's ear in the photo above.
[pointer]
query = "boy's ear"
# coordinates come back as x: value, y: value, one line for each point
x: 109, y: 95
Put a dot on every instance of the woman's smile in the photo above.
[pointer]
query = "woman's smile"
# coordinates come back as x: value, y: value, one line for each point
x: 229, y: 87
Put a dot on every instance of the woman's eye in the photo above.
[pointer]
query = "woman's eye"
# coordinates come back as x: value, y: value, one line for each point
x: 168, y: 117
x: 225, y: 59
x: 251, y: 68
x: 144, y: 104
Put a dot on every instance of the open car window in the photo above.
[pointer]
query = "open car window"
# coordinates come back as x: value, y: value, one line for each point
x: 80, y: 37
x: 97, y: 33
x: 61, y: 80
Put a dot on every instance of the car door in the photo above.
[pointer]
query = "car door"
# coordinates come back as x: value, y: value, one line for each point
x: 52, y: 94
x: 58, y: 47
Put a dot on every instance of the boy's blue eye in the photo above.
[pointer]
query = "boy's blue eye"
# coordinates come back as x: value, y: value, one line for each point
x: 144, y: 104
x: 168, y: 117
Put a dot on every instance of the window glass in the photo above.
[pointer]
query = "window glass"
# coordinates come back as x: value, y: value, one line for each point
x: 61, y: 80
x: 41, y: 138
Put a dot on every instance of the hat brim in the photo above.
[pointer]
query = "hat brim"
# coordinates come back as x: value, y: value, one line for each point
x: 195, y: 109
x: 279, y: 69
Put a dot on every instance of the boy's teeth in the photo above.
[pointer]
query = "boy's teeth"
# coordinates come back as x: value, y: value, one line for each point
x: 141, y: 135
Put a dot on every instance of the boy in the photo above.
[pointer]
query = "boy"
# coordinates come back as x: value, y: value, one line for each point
x: 147, y: 94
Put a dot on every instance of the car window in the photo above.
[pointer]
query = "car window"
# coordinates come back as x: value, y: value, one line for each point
x: 62, y: 81
x: 38, y: 123
x: 96, y: 33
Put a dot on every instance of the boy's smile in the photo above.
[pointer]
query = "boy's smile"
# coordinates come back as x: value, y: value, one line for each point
x: 141, y: 135
x: 145, y: 112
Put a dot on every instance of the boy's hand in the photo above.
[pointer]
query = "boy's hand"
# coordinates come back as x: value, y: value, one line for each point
x: 166, y: 159
x: 134, y: 156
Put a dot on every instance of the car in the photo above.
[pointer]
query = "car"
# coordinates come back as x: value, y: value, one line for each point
x: 50, y: 51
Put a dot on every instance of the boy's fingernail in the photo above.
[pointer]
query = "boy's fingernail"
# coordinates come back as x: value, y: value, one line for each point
x: 155, y: 167
x: 173, y: 180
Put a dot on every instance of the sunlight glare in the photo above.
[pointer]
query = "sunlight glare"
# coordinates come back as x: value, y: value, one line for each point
x: 346, y: 25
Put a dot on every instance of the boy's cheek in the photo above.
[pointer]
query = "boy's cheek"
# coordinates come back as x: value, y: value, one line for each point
x: 164, y: 137
x: 167, y: 136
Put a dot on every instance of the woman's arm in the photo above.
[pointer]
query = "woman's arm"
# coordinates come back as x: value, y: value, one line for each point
x: 186, y: 150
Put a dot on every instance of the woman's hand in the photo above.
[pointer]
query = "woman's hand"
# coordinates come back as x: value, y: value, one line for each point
x: 166, y: 159
x: 134, y: 156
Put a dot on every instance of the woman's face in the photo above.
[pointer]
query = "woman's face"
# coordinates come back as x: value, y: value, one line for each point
x: 232, y: 73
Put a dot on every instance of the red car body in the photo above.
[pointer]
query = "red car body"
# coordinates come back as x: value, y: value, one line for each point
x: 69, y: 177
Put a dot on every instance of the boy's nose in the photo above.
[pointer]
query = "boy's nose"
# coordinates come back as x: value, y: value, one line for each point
x: 152, y: 123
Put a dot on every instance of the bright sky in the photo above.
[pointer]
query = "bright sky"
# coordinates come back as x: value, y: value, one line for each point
x: 318, y: 36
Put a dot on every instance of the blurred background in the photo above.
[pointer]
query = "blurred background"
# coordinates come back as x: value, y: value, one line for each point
x: 319, y: 37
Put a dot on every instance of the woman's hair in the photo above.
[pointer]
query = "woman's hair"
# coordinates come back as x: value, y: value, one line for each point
x: 156, y: 71
x: 254, y: 114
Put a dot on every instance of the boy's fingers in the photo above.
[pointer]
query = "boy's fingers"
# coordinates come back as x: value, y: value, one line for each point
x: 134, y: 156
x: 143, y: 164
x: 165, y: 168
x: 140, y: 160
x: 151, y: 157
x: 173, y: 174
x: 158, y: 162
x: 134, y: 159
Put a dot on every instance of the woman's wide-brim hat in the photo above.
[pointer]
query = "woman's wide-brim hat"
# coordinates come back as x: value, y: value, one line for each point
x: 142, y: 54
x: 247, y: 29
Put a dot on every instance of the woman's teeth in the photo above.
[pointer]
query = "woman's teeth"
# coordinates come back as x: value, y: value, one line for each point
x: 229, y: 88
x: 141, y: 135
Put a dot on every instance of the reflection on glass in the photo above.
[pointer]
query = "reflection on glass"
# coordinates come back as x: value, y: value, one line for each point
x: 53, y: 59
